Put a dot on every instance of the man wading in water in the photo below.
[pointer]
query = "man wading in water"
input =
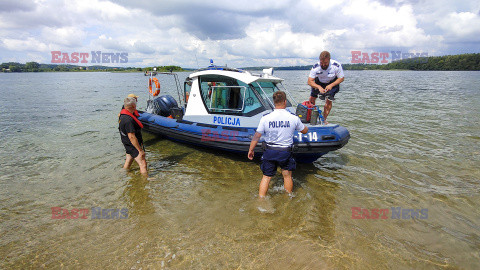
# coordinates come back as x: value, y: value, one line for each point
x: 278, y: 128
x: 130, y: 132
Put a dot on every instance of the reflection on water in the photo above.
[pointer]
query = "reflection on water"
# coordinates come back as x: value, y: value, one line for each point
x: 412, y: 146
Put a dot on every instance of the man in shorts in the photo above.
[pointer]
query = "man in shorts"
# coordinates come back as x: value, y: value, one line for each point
x: 325, y: 78
x: 130, y: 132
x: 278, y: 127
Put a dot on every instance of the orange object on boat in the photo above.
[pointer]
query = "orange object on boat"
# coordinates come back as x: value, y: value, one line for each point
x: 157, y: 86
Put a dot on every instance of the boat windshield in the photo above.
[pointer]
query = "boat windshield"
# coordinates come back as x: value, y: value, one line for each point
x: 266, y: 90
x: 226, y: 95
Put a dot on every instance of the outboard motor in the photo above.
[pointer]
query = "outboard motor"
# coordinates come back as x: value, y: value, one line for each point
x: 163, y: 104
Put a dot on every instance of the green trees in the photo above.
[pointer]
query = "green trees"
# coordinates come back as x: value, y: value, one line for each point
x: 32, y: 66
x: 11, y: 66
x: 448, y: 62
x: 169, y: 68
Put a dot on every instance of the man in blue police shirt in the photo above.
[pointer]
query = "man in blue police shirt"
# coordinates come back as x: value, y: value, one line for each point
x: 278, y: 128
x: 325, y: 78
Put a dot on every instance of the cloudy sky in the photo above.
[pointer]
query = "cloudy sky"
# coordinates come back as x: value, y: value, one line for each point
x: 238, y: 33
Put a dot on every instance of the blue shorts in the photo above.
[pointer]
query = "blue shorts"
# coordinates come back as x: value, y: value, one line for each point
x: 330, y: 94
x: 273, y: 158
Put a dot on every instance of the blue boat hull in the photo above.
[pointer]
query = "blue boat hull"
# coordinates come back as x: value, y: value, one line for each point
x: 307, y: 148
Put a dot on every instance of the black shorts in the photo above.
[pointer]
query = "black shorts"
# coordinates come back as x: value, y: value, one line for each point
x: 330, y: 94
x: 273, y: 158
x: 131, y: 150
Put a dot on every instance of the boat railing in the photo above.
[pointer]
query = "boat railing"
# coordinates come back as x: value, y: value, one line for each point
x: 269, y: 100
x: 293, y: 101
x: 265, y: 96
x: 180, y: 94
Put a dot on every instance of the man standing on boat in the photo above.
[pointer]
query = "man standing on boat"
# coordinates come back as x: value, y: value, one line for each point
x: 278, y: 128
x: 325, y: 78
x: 130, y: 132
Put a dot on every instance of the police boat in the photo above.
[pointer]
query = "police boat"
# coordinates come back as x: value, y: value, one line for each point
x: 220, y: 108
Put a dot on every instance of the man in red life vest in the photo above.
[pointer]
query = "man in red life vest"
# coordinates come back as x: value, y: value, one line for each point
x: 130, y: 132
x: 133, y: 96
x: 136, y: 99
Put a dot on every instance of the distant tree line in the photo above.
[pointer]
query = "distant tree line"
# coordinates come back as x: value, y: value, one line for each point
x: 36, y: 67
x: 448, y: 62
x: 164, y: 68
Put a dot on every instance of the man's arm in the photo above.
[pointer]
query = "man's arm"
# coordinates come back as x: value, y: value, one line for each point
x: 305, y: 130
x: 311, y: 82
x: 255, y: 139
x: 333, y: 84
x: 134, y: 141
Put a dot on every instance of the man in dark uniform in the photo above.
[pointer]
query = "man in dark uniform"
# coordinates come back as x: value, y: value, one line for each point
x: 278, y: 128
x: 130, y: 132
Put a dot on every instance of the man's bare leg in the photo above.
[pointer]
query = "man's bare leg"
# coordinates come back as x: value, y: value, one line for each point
x: 326, y: 109
x: 312, y: 100
x: 262, y: 190
x: 287, y: 180
x: 142, y: 163
x: 128, y: 161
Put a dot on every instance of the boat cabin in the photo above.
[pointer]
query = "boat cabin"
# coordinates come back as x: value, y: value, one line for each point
x: 231, y: 97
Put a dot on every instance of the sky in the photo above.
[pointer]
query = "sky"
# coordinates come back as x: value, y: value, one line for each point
x: 239, y: 33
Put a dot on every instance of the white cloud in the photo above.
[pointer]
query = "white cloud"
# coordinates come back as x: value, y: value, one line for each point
x: 376, y: 24
x: 323, y: 5
x: 463, y: 25
x: 109, y: 43
x: 238, y: 33
x: 103, y: 11
x: 28, y: 45
x: 142, y: 47
x: 65, y: 36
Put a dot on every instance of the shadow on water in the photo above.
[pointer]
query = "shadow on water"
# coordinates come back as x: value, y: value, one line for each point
x: 155, y: 166
x: 152, y: 140
x: 210, y: 197
x: 311, y: 210
x: 319, y: 195
x: 181, y: 146
x: 332, y: 161
x: 137, y: 196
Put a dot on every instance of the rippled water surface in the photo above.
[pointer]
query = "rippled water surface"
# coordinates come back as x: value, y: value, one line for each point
x: 415, y: 144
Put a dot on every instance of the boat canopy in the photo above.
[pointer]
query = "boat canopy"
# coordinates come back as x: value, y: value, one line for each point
x: 231, y: 91
x: 238, y: 74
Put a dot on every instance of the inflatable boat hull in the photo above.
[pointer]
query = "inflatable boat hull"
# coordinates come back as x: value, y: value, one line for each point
x: 307, y: 148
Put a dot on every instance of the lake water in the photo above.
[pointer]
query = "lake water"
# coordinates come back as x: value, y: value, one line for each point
x: 415, y: 144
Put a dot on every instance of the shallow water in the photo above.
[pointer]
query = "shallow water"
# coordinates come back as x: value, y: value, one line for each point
x: 414, y: 144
